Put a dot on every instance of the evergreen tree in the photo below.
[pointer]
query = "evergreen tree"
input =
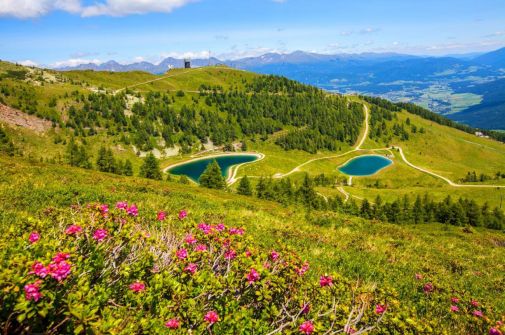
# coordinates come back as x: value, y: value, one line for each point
x: 150, y: 168
x: 307, y: 194
x: 212, y: 177
x: 183, y: 179
x: 244, y: 187
x: 105, y: 161
x: 77, y: 155
x: 128, y: 168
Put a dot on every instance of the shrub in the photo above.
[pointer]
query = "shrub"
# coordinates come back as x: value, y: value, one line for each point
x: 96, y: 269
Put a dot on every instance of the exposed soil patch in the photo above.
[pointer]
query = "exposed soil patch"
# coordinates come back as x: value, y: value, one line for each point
x: 18, y: 118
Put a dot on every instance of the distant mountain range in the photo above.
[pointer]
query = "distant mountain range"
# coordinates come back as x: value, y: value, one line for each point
x: 449, y: 85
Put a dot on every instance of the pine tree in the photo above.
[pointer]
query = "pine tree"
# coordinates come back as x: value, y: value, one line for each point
x: 244, y: 187
x: 150, y: 168
x: 105, y: 161
x: 128, y: 168
x: 212, y: 177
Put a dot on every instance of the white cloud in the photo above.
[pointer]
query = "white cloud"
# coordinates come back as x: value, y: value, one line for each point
x: 25, y: 9
x: 28, y: 63
x: 75, y: 62
x: 126, y: 7
x: 33, y: 8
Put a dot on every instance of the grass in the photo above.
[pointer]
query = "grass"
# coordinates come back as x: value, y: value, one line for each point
x: 385, y: 254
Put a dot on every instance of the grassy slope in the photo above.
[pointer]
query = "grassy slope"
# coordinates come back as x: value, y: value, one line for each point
x: 382, y: 253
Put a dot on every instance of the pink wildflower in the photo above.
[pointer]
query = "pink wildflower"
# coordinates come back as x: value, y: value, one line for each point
x: 161, y: 216
x: 137, y: 286
x: 100, y: 234
x: 474, y: 303
x: 274, y: 255
x: 454, y: 308
x: 236, y: 231
x: 478, y: 314
x: 201, y: 248
x: 190, y: 239
x: 205, y: 228
x: 182, y: 254
x: 132, y: 210
x: 122, y: 205
x: 191, y: 268
x: 182, y: 214
x: 253, y: 276
x: 301, y: 271
x: 211, y: 317
x: 60, y: 257
x: 104, y: 209
x: 248, y: 253
x: 39, y: 269
x: 220, y: 227
x: 306, y: 308
x: 60, y: 270
x: 307, y: 327
x: 494, y: 331
x: 455, y: 300
x: 34, y: 237
x: 428, y: 288
x: 230, y: 254
x: 172, y: 324
x: 325, y: 281
x: 73, y: 229
x: 380, y: 309
x: 32, y: 291
x: 350, y: 330
x: 419, y: 276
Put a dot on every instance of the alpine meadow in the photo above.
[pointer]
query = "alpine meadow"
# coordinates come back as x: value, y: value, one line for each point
x: 252, y: 188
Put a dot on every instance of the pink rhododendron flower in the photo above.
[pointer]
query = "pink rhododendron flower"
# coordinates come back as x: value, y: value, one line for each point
x: 454, y: 308
x: 350, y: 331
x: 274, y: 255
x: 39, y: 270
x: 419, y: 276
x: 205, y: 228
x: 137, y: 286
x: 132, y: 210
x: 248, y: 253
x: 267, y: 265
x: 230, y: 254
x: 34, y: 237
x: 73, y: 229
x: 454, y: 300
x: 161, y: 216
x: 60, y: 270
x: 478, y: 314
x: 182, y: 214
x: 475, y: 303
x: 428, y: 288
x: 380, y: 309
x: 32, y: 291
x: 123, y: 205
x: 307, y: 327
x: 182, y: 254
x: 220, y: 227
x: 301, y: 271
x: 172, y: 324
x: 495, y: 331
x: 100, y: 234
x: 104, y: 208
x: 60, y: 257
x: 190, y: 239
x: 253, y: 276
x: 236, y: 231
x: 211, y: 317
x: 201, y: 248
x: 325, y: 281
x: 191, y: 268
x: 306, y: 309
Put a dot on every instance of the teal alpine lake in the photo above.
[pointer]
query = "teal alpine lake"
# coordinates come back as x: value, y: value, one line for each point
x: 365, y: 165
x: 193, y: 169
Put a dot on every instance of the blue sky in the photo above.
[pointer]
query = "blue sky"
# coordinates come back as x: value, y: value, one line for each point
x: 62, y: 32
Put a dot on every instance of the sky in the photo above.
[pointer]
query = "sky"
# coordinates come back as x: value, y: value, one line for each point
x: 70, y: 32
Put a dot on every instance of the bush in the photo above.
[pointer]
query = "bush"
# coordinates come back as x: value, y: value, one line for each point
x: 96, y: 269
